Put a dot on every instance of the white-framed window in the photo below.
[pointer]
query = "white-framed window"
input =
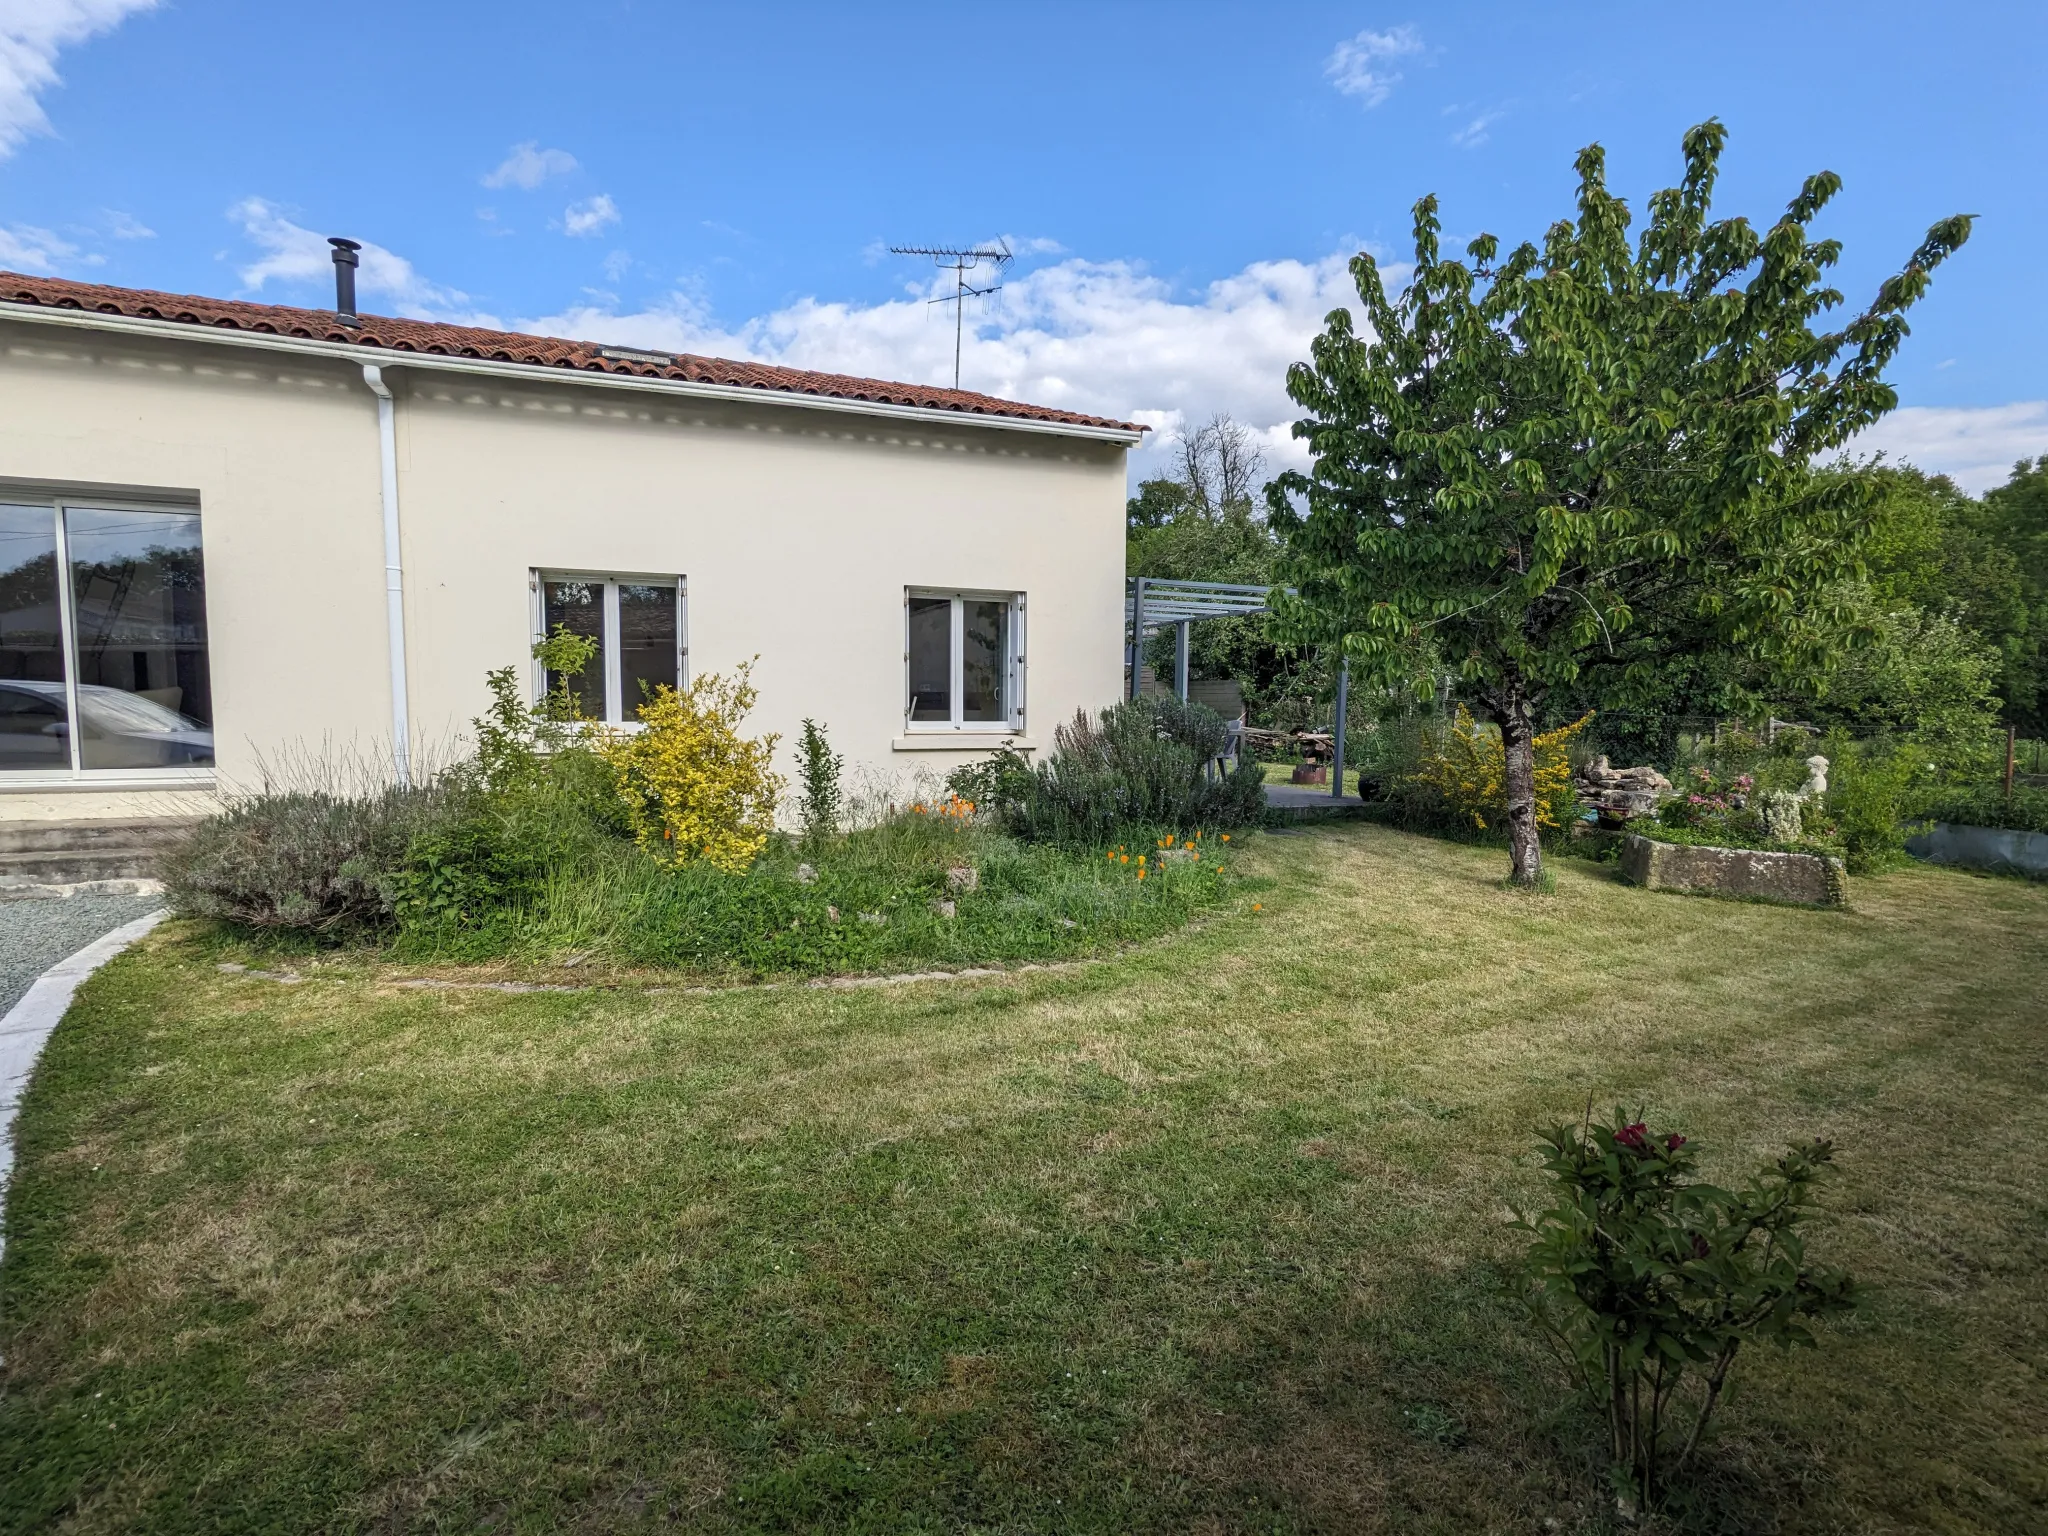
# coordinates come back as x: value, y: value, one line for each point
x: 963, y: 660
x: 639, y: 624
x: 103, y: 641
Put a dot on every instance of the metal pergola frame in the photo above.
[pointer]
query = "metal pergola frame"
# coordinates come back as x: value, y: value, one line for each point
x: 1152, y: 603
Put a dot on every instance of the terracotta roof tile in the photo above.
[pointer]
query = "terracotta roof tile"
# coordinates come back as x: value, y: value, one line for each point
x: 397, y: 335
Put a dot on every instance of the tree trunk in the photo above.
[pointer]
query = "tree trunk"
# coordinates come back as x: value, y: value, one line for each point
x: 1518, y: 742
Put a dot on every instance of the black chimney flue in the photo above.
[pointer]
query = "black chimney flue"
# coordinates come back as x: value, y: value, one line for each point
x: 345, y: 279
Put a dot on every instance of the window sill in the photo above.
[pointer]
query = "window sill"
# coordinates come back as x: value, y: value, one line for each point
x: 111, y: 778
x: 961, y: 741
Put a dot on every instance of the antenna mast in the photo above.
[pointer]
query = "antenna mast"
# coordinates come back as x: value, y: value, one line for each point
x: 960, y: 262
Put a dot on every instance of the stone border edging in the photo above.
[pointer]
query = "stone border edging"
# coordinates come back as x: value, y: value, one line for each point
x: 29, y: 1022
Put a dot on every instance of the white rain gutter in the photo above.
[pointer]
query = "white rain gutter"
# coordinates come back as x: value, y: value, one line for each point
x: 542, y: 373
x: 394, y: 570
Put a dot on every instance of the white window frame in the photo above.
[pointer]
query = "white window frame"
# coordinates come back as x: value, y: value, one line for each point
x: 76, y: 775
x: 1013, y: 681
x: 614, y: 678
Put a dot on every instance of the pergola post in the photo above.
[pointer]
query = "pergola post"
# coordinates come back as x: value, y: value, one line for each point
x: 1137, y: 635
x: 1180, y: 660
x: 1337, y: 736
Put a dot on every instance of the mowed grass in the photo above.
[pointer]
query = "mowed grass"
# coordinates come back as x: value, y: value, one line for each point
x: 1204, y: 1237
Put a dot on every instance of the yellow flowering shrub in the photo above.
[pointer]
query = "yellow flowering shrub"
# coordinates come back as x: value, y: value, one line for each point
x: 690, y: 781
x: 1464, y: 769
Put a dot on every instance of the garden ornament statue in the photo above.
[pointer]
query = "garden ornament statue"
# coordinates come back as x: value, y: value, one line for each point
x: 1784, y: 811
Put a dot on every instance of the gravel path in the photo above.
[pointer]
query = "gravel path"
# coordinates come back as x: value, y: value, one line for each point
x: 36, y: 934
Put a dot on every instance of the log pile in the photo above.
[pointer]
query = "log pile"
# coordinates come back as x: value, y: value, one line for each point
x: 1621, y: 793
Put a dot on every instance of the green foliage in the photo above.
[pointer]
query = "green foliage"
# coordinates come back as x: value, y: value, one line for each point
x: 1572, y: 465
x: 2024, y: 810
x: 1141, y: 764
x: 1933, y: 547
x: 1001, y: 778
x: 1647, y: 1279
x: 2016, y: 515
x: 564, y: 655
x: 1874, y: 789
x: 871, y: 899
x: 819, y: 797
x: 1160, y: 501
x: 1922, y: 677
x: 310, y: 861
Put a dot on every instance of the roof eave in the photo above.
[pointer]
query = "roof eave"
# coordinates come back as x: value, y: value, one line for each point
x: 391, y: 357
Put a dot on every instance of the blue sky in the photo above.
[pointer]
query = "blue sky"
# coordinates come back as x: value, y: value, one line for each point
x: 1182, y: 182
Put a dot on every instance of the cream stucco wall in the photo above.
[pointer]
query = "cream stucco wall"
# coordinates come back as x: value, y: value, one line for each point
x: 797, y: 532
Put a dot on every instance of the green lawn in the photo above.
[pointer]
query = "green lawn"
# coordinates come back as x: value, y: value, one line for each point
x: 1283, y: 773
x: 1206, y: 1237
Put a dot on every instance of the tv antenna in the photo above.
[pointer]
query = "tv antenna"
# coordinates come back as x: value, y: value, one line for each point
x: 960, y: 263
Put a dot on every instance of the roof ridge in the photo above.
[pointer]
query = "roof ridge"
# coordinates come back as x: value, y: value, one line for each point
x: 392, y: 333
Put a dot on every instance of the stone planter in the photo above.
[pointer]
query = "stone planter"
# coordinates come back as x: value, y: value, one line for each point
x: 1803, y: 879
x: 1310, y: 773
x: 1996, y: 848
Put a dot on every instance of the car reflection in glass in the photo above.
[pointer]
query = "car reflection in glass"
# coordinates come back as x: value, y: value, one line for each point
x: 128, y: 730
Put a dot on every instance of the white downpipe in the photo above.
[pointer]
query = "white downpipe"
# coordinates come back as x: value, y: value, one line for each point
x: 394, y: 570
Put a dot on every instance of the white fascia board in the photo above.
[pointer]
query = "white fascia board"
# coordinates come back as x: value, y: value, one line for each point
x: 539, y: 373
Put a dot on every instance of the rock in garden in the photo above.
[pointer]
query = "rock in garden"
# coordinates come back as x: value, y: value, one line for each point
x: 943, y: 908
x: 874, y: 919
x: 1182, y: 855
x: 963, y: 877
x: 831, y: 914
x: 1620, y: 793
x: 805, y: 875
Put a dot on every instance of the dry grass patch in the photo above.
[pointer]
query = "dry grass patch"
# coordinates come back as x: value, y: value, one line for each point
x: 1206, y: 1236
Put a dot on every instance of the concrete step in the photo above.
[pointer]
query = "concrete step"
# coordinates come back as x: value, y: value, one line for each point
x: 67, y: 851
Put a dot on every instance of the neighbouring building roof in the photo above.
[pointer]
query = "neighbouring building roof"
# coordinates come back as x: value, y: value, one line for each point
x: 386, y: 333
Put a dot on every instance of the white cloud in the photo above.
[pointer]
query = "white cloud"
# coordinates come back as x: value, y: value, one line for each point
x: 25, y: 248
x: 293, y: 254
x: 1477, y: 132
x: 617, y: 265
x: 1360, y: 65
x: 1975, y: 446
x: 1104, y: 338
x: 124, y: 226
x: 32, y: 33
x: 528, y: 165
x: 590, y: 216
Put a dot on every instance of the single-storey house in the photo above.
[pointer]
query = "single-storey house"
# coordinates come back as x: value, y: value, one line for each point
x: 240, y: 540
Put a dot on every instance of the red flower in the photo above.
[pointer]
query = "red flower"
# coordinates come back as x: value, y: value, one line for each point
x: 1699, y: 1246
x: 1673, y: 1142
x: 1634, y: 1137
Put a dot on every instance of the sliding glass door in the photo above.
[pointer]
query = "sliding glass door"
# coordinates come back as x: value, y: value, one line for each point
x: 103, y: 642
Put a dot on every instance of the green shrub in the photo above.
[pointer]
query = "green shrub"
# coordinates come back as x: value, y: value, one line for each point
x: 819, y: 797
x: 1874, y: 789
x: 1143, y: 763
x: 2024, y: 810
x: 313, y: 861
x: 1644, y: 1277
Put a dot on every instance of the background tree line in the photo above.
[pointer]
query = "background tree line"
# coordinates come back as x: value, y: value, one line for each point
x: 1950, y: 617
